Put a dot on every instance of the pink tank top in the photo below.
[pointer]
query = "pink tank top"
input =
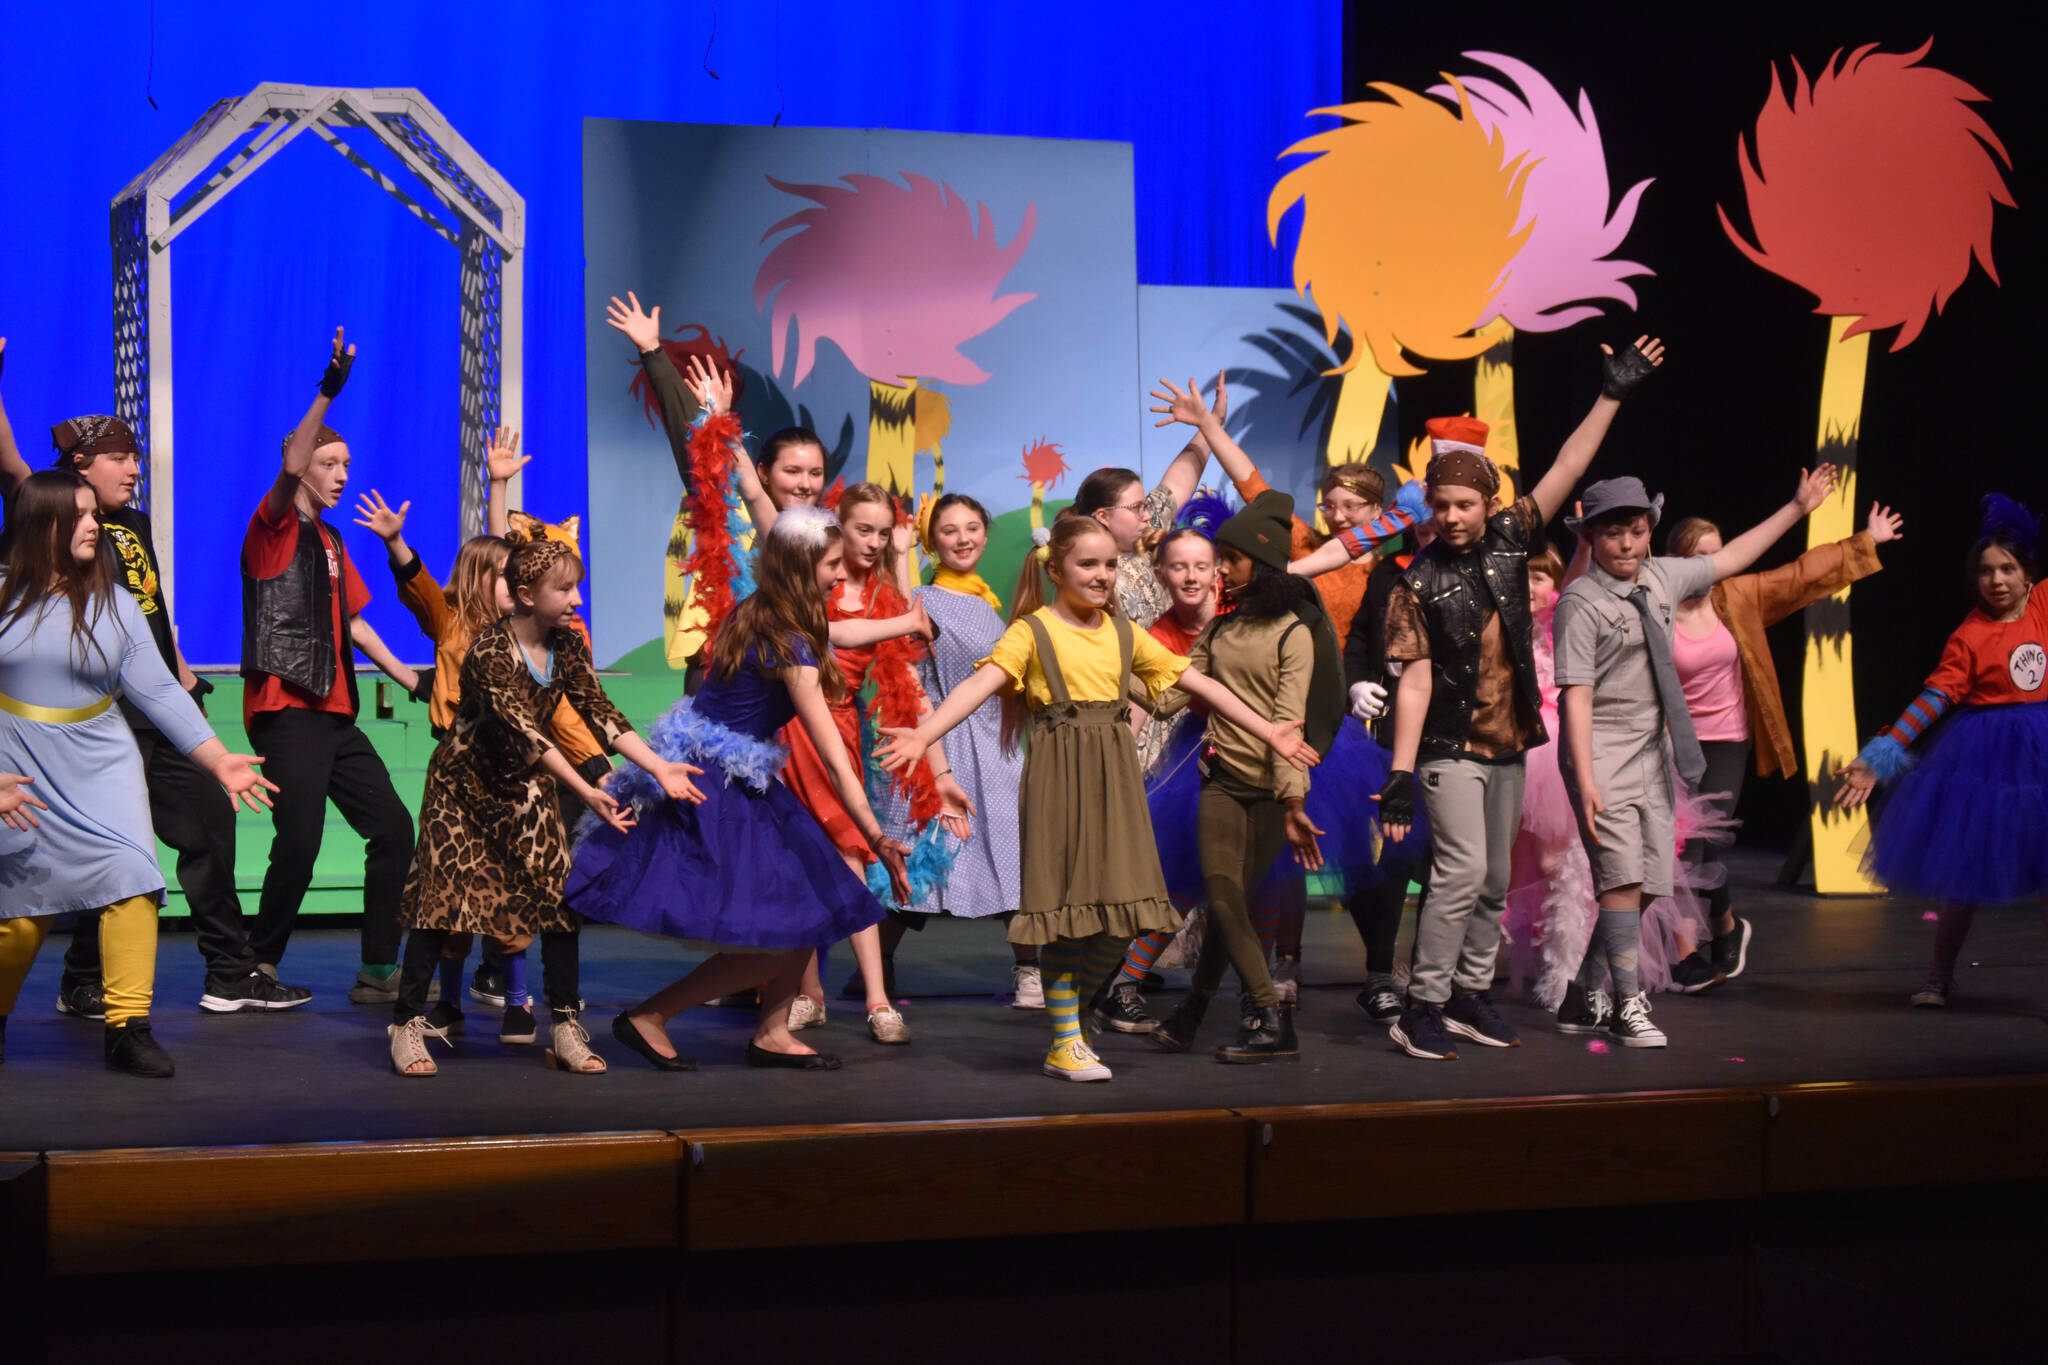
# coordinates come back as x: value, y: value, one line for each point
x: 1710, y: 670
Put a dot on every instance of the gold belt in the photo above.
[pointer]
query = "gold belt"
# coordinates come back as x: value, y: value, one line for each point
x: 53, y: 715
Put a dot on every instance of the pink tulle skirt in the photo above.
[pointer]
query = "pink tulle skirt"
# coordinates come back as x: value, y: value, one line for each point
x: 1546, y: 810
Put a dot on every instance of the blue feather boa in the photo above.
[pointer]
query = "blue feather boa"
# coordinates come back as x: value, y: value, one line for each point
x: 930, y: 863
x: 1887, y: 759
x: 737, y: 525
x: 683, y: 736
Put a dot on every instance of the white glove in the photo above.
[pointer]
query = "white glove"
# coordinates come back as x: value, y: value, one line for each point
x: 1368, y: 701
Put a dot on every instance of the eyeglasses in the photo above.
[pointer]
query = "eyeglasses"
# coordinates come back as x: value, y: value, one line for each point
x: 1134, y: 508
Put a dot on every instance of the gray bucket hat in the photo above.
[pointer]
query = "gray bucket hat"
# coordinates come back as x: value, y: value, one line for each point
x: 1617, y: 495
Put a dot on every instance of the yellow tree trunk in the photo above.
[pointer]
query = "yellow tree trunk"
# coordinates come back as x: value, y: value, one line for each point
x: 682, y: 622
x: 1361, y: 404
x: 1827, y: 704
x: 1493, y: 402
x: 892, y: 435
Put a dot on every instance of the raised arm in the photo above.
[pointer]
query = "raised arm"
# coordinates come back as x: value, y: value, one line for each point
x: 1622, y: 375
x: 298, y: 452
x: 1738, y: 554
x: 712, y: 389
x: 13, y: 469
x: 502, y: 463
x: 671, y: 396
x: 1184, y: 475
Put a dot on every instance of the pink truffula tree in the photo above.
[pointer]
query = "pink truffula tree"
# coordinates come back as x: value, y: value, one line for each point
x: 898, y: 276
x: 1563, y: 269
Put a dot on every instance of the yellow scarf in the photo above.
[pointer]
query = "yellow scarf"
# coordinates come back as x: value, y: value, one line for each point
x: 971, y: 584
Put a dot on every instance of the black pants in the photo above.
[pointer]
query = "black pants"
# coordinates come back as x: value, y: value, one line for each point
x: 315, y: 757
x: 560, y: 971
x: 195, y: 818
x: 1727, y: 766
x: 1376, y: 911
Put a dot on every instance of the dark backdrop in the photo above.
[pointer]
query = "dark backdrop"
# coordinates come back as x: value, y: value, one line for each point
x: 1723, y: 431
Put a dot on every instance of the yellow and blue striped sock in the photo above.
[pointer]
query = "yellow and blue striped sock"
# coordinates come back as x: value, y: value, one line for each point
x: 1059, y: 962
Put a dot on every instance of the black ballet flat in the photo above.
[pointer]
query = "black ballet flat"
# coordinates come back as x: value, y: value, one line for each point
x: 623, y: 1030
x: 792, y: 1061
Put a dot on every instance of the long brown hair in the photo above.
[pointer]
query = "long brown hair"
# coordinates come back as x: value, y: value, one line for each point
x: 473, y: 583
x: 1031, y: 594
x: 786, y: 605
x: 860, y: 495
x: 45, y: 516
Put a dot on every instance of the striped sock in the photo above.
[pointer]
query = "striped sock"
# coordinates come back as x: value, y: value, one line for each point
x: 1102, y: 961
x: 1058, y: 962
x: 515, y: 979
x: 1144, y: 951
x: 1949, y: 933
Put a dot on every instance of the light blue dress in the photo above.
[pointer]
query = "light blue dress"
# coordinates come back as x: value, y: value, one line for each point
x: 95, y: 845
x: 987, y: 877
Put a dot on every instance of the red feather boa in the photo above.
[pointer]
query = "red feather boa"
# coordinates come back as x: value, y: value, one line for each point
x: 896, y: 699
x: 709, y: 563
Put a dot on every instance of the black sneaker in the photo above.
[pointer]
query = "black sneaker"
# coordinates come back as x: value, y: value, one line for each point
x: 1122, y: 1009
x: 86, y: 1000
x: 1420, y: 1032
x: 446, y: 1018
x: 1583, y: 1012
x: 1731, y: 951
x: 517, y: 1025
x: 487, y: 985
x: 1380, y: 999
x: 1630, y: 1024
x: 1693, y: 974
x: 256, y: 991
x: 132, y: 1048
x: 1471, y: 1014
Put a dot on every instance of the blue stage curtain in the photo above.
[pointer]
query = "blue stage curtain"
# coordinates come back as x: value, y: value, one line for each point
x: 1208, y: 93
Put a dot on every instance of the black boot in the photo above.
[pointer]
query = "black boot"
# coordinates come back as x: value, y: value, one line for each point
x: 132, y: 1048
x: 1177, y: 1034
x: 1271, y: 1041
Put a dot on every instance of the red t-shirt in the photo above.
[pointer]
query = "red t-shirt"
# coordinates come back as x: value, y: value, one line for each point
x: 1990, y: 662
x: 266, y: 552
x: 1171, y: 633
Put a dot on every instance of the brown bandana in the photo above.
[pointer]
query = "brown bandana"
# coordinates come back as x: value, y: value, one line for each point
x: 91, y: 436
x: 327, y: 436
x: 1464, y: 469
x: 535, y: 560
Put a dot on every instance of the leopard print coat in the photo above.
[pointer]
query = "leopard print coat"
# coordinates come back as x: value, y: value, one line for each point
x: 493, y: 854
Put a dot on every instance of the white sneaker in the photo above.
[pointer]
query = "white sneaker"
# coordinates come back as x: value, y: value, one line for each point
x: 1630, y: 1025
x: 1027, y: 987
x: 885, y: 1025
x: 805, y: 1012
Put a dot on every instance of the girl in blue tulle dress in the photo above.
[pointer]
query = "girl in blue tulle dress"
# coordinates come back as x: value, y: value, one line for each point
x: 749, y: 875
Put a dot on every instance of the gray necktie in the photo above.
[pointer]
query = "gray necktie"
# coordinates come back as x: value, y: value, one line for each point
x: 1685, y: 744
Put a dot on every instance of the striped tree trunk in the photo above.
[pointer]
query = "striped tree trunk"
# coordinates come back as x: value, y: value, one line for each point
x: 1827, y: 702
x: 892, y: 434
x: 1493, y: 402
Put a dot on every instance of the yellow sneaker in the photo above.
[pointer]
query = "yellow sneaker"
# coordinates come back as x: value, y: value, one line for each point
x: 1074, y: 1060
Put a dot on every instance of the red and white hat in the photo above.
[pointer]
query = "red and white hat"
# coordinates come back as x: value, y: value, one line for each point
x: 1446, y: 434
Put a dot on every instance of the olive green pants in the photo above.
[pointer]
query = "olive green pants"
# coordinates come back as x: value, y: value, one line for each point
x: 1241, y: 832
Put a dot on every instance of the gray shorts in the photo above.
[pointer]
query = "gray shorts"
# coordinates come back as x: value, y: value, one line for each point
x: 1637, y: 830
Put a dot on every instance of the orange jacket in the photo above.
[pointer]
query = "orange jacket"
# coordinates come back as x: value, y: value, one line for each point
x: 1749, y: 603
x: 429, y: 606
x: 1343, y: 590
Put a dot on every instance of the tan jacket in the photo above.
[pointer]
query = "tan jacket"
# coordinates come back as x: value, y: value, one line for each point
x: 1267, y: 664
x: 1749, y: 603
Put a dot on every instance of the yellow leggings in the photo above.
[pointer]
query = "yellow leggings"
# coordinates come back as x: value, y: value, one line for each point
x: 127, y: 956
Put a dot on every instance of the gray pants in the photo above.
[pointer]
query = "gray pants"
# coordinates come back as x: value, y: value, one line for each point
x: 1474, y: 810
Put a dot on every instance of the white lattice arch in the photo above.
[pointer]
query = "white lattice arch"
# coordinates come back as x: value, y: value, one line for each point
x: 479, y: 214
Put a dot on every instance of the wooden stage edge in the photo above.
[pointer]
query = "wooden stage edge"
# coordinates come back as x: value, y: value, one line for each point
x: 687, y: 1190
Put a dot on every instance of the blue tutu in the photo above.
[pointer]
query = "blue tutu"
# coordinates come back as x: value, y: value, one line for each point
x: 1340, y: 802
x: 1970, y: 824
x: 748, y: 868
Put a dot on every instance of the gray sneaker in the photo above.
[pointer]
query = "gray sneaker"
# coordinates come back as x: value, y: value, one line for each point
x: 371, y: 989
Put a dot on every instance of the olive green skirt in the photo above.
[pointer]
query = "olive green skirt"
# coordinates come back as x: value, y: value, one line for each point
x: 1091, y: 865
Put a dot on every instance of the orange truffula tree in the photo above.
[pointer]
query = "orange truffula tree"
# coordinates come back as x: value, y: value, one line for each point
x: 1872, y: 188
x: 1409, y: 220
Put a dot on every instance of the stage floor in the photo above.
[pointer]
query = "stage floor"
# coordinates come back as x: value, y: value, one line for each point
x: 1824, y: 999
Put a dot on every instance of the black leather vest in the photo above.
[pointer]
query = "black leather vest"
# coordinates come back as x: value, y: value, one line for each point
x: 1456, y: 617
x: 288, y: 621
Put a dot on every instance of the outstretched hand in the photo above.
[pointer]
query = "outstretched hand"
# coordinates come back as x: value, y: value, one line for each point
x: 675, y: 782
x: 643, y: 329
x: 710, y: 385
x: 1302, y: 832
x: 1288, y: 743
x: 237, y: 775
x: 1858, y: 782
x: 1621, y: 375
x: 1815, y: 485
x: 1884, y: 524
x: 18, y: 807
x: 339, y: 363
x: 899, y: 749
x: 380, y: 518
x: 503, y: 460
x: 620, y: 818
x: 956, y: 808
x: 1180, y: 405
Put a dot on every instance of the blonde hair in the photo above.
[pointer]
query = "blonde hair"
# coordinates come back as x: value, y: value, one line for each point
x: 1685, y: 537
x: 860, y: 495
x: 472, y: 583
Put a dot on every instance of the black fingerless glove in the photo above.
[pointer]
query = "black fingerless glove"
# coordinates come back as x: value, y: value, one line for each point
x: 1397, y: 799
x: 337, y: 373
x: 200, y: 690
x: 1622, y: 373
x: 423, y: 685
